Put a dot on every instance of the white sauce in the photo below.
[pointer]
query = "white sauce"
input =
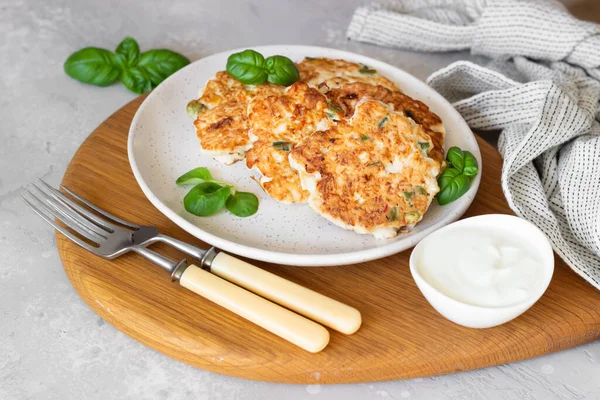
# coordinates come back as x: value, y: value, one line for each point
x: 481, y: 267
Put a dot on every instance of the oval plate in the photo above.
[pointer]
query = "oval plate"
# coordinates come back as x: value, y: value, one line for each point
x: 163, y: 145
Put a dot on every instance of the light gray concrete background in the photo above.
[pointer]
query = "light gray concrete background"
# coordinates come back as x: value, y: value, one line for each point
x: 52, y: 346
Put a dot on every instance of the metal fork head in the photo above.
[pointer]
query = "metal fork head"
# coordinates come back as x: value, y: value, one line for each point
x: 97, y: 231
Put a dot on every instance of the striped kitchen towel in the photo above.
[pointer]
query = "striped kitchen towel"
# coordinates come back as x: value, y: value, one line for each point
x: 541, y: 89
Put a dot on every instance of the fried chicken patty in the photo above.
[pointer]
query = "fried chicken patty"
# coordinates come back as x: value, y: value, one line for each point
x: 348, y: 95
x: 222, y: 123
x: 371, y: 173
x: 277, y: 124
x: 326, y: 74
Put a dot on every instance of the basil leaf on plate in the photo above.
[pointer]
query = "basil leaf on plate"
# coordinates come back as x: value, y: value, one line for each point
x: 206, y: 199
x: 455, y: 181
x: 94, y: 66
x: 242, y: 204
x: 194, y: 177
x: 210, y: 195
x: 129, y: 49
x: 159, y: 64
x: 281, y: 70
x: 456, y: 157
x: 247, y: 67
x: 447, y: 176
x: 136, y: 79
x: 471, y: 167
x: 251, y: 68
x: 455, y: 187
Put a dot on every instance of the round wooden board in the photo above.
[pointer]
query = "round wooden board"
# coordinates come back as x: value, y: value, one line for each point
x: 402, y: 335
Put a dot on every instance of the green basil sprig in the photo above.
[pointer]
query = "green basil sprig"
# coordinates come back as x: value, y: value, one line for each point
x: 242, y: 204
x: 197, y: 176
x: 206, y: 198
x: 251, y: 68
x: 455, y: 181
x: 139, y: 72
x: 209, y: 195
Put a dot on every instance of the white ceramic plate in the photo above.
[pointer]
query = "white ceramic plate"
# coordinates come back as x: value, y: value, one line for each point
x: 163, y: 145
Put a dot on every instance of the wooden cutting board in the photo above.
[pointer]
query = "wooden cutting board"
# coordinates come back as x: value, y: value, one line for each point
x: 402, y: 335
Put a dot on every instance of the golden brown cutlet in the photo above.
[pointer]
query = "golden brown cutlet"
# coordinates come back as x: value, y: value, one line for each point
x: 370, y: 173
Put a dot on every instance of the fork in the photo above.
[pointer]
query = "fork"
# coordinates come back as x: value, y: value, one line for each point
x: 108, y: 236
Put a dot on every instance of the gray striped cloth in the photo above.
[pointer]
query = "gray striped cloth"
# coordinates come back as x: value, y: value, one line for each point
x: 541, y: 89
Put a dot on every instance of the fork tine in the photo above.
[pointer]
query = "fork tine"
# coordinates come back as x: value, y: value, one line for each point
x: 66, y: 219
x: 101, y: 222
x: 59, y: 228
x: 99, y: 210
x: 96, y: 233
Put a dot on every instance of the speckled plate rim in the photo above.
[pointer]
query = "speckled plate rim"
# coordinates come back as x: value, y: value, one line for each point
x: 309, y: 260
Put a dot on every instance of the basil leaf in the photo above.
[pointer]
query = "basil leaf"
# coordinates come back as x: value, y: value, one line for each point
x: 93, y: 65
x: 456, y: 157
x: 159, y: 64
x: 447, y: 176
x: 242, y: 204
x: 206, y: 199
x: 457, y: 187
x: 129, y: 49
x: 194, y: 177
x: 281, y: 70
x: 471, y: 169
x: 210, y: 195
x: 247, y: 67
x: 136, y: 79
x: 455, y: 181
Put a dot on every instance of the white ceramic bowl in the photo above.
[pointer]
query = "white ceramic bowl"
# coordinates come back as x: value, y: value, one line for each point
x: 486, y: 317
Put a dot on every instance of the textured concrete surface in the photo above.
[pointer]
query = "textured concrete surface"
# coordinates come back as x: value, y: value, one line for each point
x: 51, y: 345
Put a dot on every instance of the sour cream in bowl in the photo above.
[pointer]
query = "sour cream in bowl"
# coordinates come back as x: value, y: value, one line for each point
x: 483, y: 271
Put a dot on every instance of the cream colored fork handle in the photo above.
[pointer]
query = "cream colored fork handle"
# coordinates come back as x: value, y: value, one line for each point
x: 316, y: 306
x: 282, y: 322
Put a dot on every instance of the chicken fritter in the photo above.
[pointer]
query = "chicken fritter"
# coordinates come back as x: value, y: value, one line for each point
x: 277, y: 124
x: 371, y: 173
